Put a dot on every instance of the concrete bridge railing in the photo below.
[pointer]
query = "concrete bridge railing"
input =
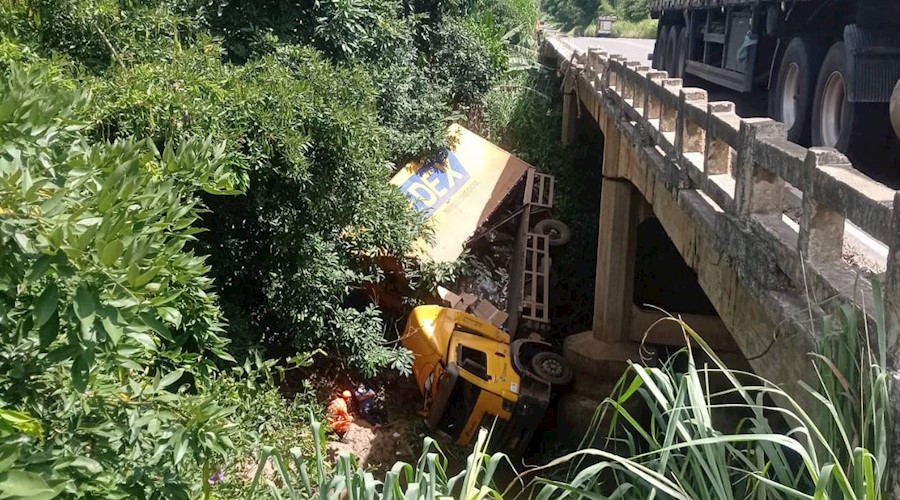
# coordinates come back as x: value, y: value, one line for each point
x: 731, y: 177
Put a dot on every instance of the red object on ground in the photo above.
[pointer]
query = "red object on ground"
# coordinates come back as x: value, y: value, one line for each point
x: 339, y: 417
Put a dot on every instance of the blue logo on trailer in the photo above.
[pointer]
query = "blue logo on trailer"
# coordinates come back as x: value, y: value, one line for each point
x: 435, y: 183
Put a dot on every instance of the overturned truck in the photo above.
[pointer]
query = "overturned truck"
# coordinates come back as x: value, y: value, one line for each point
x: 475, y: 368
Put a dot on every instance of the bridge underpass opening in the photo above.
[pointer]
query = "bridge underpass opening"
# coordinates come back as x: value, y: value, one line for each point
x: 574, y: 263
x: 636, y: 267
x: 640, y: 269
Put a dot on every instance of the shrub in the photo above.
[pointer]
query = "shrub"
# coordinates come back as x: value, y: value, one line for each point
x: 108, y: 322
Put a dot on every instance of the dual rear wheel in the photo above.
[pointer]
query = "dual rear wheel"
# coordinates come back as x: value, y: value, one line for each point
x: 810, y: 96
x: 670, y: 52
x: 809, y: 93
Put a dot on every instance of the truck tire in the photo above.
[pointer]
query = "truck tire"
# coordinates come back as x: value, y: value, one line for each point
x: 681, y: 51
x: 557, y: 231
x: 837, y: 122
x: 895, y: 109
x: 672, y: 50
x: 552, y: 368
x: 660, y: 48
x: 791, y: 97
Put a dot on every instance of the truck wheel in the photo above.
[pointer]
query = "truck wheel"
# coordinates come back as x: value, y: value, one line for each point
x: 681, y: 52
x: 792, y: 98
x: 837, y: 122
x: 660, y: 49
x: 672, y: 51
x: 552, y: 368
x: 895, y: 109
x: 558, y: 231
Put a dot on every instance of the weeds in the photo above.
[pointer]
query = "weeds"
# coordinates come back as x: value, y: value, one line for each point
x: 634, y: 29
x: 839, y: 450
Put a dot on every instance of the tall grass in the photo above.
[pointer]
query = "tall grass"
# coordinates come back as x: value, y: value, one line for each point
x: 840, y: 450
x: 645, y: 28
x: 681, y: 450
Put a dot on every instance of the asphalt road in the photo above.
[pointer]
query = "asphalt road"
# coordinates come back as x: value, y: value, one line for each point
x: 634, y: 49
x: 638, y: 49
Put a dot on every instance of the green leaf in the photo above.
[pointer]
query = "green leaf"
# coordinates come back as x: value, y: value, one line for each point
x: 84, y: 304
x: 170, y: 315
x: 111, y: 252
x: 23, y: 422
x: 22, y: 484
x: 145, y: 278
x: 46, y: 304
x: 143, y: 339
x: 170, y: 378
x: 157, y: 325
x: 81, y: 372
x: 49, y: 331
x: 86, y: 464
x: 9, y: 453
x: 180, y: 446
x: 40, y: 267
x: 112, y: 329
x: 62, y: 353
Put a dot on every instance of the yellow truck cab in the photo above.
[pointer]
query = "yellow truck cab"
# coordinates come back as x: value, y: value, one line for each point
x: 471, y: 373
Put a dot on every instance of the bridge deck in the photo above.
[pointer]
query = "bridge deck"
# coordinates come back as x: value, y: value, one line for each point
x: 721, y: 187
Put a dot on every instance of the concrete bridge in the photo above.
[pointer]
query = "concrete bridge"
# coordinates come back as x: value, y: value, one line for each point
x: 773, y: 230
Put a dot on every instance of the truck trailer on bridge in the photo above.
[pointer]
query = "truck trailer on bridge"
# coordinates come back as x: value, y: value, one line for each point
x: 829, y: 66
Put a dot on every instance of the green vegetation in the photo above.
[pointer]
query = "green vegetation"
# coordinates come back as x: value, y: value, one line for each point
x: 184, y: 183
x: 193, y: 194
x: 645, y: 28
x: 683, y: 448
x: 579, y: 17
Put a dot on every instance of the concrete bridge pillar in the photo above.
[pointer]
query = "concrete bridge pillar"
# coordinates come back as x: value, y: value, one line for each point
x: 614, y: 287
x: 600, y: 356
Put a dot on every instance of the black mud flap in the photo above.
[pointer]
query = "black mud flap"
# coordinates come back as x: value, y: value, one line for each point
x: 527, y: 416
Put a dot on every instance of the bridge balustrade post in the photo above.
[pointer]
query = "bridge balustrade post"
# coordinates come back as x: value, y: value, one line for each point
x: 821, y: 237
x: 640, y: 87
x: 651, y: 101
x: 597, y: 66
x: 629, y: 81
x: 668, y: 112
x: 615, y: 81
x: 717, y: 159
x: 757, y: 191
x: 690, y: 136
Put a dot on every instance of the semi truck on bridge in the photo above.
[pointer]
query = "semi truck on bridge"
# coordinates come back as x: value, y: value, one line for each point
x: 830, y: 67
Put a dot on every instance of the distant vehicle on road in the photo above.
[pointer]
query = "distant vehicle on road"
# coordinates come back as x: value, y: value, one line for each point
x: 604, y: 25
x: 829, y: 66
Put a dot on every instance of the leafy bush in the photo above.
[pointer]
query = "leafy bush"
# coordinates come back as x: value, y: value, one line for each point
x: 100, y: 33
x: 634, y: 10
x: 323, y: 99
x: 108, y: 321
x: 580, y: 16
